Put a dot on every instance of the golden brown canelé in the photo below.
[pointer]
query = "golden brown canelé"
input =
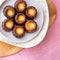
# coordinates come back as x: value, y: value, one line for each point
x: 20, y: 6
x: 8, y: 25
x: 9, y: 11
x: 30, y: 26
x: 18, y: 31
x: 31, y: 12
x: 20, y: 18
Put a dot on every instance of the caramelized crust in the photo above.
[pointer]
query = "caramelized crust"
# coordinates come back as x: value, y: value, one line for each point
x: 20, y: 18
x: 8, y: 25
x: 30, y: 26
x: 20, y: 6
x: 9, y: 11
x: 31, y: 12
x: 18, y: 31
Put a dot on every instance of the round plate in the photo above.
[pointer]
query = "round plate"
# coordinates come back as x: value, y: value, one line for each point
x: 41, y: 34
x: 27, y: 36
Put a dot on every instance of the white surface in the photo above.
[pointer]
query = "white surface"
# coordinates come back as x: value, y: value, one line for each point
x: 1, y: 1
x: 42, y: 34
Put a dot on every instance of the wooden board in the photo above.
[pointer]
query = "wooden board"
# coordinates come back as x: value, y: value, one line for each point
x: 52, y: 12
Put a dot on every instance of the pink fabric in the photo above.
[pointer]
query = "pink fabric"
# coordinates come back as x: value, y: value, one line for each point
x: 49, y: 49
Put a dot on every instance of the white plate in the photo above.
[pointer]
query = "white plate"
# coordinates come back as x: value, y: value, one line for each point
x: 39, y: 37
x: 28, y: 36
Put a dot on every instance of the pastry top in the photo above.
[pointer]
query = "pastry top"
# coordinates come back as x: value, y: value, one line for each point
x: 20, y: 18
x: 31, y: 12
x: 18, y: 31
x: 30, y: 26
x: 8, y: 24
x: 9, y: 12
x: 20, y: 6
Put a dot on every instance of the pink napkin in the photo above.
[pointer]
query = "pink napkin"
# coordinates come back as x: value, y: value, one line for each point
x: 49, y: 49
